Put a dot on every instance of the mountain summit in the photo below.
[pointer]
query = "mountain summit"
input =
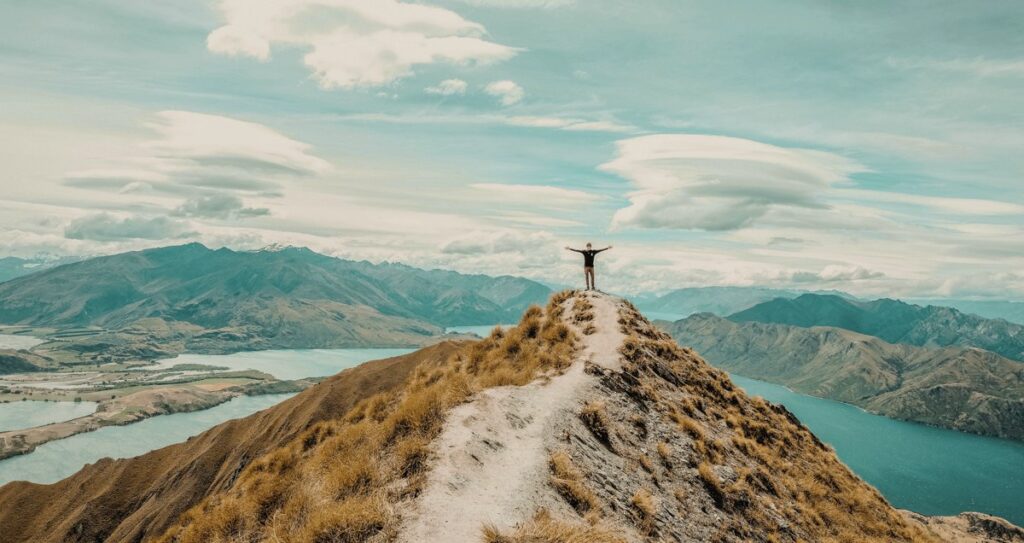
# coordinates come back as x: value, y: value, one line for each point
x: 583, y: 423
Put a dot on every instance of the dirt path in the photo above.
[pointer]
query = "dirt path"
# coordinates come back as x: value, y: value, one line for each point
x: 492, y: 455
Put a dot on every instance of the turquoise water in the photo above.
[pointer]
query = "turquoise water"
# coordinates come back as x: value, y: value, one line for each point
x: 483, y: 330
x: 56, y: 460
x: 286, y: 364
x: 29, y: 414
x: 929, y: 470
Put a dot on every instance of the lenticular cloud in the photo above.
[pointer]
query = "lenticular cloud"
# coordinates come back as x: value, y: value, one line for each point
x: 699, y: 182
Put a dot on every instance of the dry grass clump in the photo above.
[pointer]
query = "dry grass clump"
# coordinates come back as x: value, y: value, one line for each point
x: 567, y: 479
x: 784, y: 473
x: 595, y: 417
x: 542, y: 528
x: 582, y: 310
x: 336, y: 482
x: 711, y: 483
x: 647, y: 509
x: 665, y: 453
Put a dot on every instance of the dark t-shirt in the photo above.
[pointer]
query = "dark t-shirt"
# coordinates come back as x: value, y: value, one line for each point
x: 588, y: 257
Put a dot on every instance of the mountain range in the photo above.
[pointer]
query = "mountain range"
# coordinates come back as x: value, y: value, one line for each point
x: 719, y: 300
x: 963, y: 388
x: 290, y: 297
x: 894, y: 321
x: 724, y: 301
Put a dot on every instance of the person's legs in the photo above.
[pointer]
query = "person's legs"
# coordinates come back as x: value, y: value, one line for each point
x: 588, y: 275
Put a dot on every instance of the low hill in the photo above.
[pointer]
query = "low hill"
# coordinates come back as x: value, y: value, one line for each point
x: 894, y: 321
x: 582, y: 423
x: 291, y: 297
x: 956, y: 387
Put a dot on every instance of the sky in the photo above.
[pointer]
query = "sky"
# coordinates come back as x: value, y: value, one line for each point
x: 869, y: 147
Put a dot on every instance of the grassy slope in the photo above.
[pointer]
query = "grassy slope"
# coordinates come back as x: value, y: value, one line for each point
x: 139, y: 497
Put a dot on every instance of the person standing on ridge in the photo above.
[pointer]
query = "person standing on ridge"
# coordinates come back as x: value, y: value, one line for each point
x: 588, y: 262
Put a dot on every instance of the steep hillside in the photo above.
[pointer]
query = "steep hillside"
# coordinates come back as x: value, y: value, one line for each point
x: 962, y: 388
x: 138, y: 498
x: 583, y: 423
x: 893, y: 321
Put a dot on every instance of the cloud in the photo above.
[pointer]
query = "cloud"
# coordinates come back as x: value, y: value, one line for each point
x: 958, y: 206
x: 545, y: 4
x: 198, y: 149
x: 833, y: 274
x: 536, y: 194
x: 698, y: 182
x: 578, y: 125
x: 509, y: 92
x: 354, y: 43
x: 107, y: 227
x: 448, y: 87
x: 218, y: 206
x: 496, y: 242
x: 978, y: 66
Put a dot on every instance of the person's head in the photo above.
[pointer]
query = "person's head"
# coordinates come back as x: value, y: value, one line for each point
x: 589, y: 246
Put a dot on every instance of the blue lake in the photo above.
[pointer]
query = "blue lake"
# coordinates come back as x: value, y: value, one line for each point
x: 286, y: 364
x: 29, y: 414
x: 55, y: 460
x: 925, y: 469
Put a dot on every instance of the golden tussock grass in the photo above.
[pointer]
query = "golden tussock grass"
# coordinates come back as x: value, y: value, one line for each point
x: 567, y: 479
x: 542, y: 528
x: 338, y: 480
x: 665, y: 453
x: 647, y: 509
x: 595, y: 417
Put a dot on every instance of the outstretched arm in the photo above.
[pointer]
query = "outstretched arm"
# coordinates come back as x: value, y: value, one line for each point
x: 605, y: 249
x: 571, y: 249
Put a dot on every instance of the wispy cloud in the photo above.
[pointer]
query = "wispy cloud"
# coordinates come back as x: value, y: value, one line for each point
x: 979, y: 66
x: 539, y: 195
x: 107, y: 227
x: 573, y: 124
x: 448, y: 87
x: 958, y: 206
x: 508, y: 92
